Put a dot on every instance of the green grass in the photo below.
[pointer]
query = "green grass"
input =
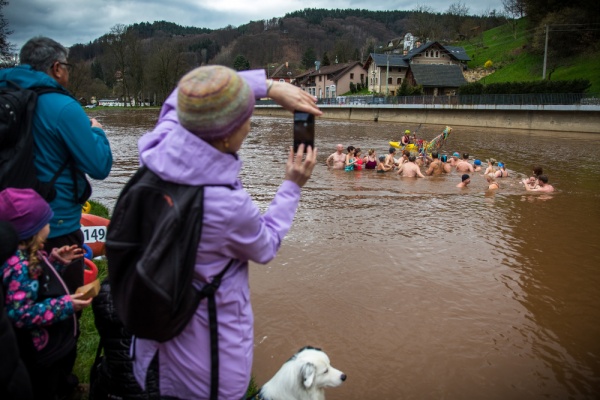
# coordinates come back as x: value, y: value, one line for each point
x: 513, y: 61
x: 89, y: 338
x: 498, y: 45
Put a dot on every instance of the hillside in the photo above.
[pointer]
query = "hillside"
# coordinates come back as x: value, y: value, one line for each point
x: 146, y: 60
x: 514, y: 60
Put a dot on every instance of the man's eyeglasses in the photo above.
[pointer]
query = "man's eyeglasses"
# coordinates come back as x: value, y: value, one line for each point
x: 68, y: 66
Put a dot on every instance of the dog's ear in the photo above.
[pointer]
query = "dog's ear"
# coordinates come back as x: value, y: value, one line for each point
x: 308, y: 372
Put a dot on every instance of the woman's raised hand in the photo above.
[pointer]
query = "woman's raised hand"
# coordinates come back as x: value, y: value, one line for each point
x: 299, y: 170
x: 292, y: 98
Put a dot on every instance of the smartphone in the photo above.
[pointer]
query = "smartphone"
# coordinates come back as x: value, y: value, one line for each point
x: 304, y: 130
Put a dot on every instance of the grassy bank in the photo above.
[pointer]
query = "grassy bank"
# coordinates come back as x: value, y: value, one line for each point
x: 89, y: 339
x: 512, y: 61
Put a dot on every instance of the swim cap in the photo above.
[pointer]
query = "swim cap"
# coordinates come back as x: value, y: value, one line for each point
x: 456, y: 155
x: 501, y: 165
x: 465, y: 177
x: 407, y: 131
x: 381, y: 158
x: 477, y: 162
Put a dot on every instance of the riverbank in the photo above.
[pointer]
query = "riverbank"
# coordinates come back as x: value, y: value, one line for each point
x: 553, y: 118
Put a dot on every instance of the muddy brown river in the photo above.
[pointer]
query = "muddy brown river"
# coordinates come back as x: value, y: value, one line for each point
x: 417, y: 289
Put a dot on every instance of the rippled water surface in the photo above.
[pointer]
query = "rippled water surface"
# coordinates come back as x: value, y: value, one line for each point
x: 417, y: 289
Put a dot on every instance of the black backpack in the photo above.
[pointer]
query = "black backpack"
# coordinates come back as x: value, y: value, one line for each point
x: 17, y: 108
x: 151, y: 247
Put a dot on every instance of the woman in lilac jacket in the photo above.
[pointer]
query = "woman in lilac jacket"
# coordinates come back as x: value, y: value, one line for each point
x: 212, y: 102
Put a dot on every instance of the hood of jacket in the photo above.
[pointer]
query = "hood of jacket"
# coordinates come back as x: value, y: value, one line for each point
x: 177, y: 155
x: 26, y: 77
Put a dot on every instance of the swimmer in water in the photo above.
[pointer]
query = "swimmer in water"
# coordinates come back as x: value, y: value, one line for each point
x: 543, y: 185
x: 465, y: 180
x: 533, y: 181
x: 436, y: 167
x: 464, y: 165
x: 502, y: 172
x: 491, y: 169
x: 410, y: 169
x: 491, y: 180
x: 382, y: 166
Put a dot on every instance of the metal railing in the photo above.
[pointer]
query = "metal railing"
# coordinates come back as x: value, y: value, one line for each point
x: 485, y: 99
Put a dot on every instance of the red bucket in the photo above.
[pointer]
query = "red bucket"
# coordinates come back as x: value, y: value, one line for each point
x: 90, y: 271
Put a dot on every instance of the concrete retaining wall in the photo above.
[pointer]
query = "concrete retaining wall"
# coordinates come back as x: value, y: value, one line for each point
x: 576, y: 119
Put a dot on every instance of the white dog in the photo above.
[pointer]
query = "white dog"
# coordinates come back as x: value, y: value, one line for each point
x: 303, y: 377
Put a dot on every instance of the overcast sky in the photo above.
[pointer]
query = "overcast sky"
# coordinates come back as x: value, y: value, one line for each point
x: 81, y: 21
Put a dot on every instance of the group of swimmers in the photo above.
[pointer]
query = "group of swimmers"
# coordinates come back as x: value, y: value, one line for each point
x: 409, y: 165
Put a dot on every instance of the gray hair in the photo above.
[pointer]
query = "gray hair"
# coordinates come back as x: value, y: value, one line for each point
x: 41, y: 52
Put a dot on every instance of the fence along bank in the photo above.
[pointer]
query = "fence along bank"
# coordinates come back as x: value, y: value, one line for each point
x: 580, y: 114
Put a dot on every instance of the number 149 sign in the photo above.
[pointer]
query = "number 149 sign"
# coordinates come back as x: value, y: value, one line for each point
x: 93, y: 234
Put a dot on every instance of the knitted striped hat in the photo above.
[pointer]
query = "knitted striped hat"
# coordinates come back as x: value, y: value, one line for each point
x: 213, y: 102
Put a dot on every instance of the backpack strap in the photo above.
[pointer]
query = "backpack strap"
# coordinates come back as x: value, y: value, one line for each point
x: 209, y: 291
x: 41, y: 90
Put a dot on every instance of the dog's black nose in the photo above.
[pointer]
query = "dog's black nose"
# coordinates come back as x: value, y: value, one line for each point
x: 343, y: 377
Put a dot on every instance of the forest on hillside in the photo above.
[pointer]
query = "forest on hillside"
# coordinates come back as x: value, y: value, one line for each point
x: 145, y: 60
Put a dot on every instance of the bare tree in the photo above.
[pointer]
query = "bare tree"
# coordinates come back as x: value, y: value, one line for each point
x: 423, y: 23
x: 513, y: 10
x: 456, y: 15
x: 166, y: 65
x: 135, y: 71
x: 117, y: 47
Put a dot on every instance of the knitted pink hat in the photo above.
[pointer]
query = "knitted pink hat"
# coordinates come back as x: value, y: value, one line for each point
x: 213, y: 102
x: 26, y: 210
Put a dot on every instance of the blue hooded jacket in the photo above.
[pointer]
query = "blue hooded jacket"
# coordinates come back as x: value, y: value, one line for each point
x: 62, y: 131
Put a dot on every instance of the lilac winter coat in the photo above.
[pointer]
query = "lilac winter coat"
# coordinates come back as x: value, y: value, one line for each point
x: 233, y: 228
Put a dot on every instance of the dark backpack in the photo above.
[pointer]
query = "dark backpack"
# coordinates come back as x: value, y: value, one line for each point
x: 151, y: 247
x: 17, y: 168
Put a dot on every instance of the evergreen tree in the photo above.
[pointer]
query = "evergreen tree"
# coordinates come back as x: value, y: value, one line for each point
x: 308, y: 58
x: 241, y: 63
x: 5, y: 47
x: 97, y: 72
x: 325, y: 61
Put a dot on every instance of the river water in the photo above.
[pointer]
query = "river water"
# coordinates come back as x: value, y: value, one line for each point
x: 417, y: 289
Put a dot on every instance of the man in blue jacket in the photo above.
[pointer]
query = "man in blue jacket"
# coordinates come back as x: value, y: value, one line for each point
x: 62, y: 133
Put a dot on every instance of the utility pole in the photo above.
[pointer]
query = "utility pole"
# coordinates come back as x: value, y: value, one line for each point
x: 545, y: 53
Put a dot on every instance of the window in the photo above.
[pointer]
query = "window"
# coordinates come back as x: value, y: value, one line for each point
x: 362, y: 77
x: 390, y: 80
x: 282, y: 80
x: 399, y: 81
x: 351, y: 75
x: 320, y: 78
x: 437, y: 53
